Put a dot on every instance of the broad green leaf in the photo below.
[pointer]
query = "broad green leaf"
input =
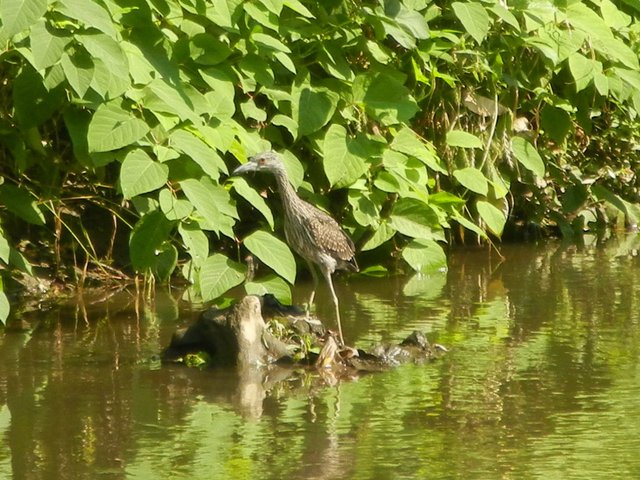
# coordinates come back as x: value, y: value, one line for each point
x: 269, y: 43
x: 222, y: 93
x: 556, y: 122
x: 18, y: 15
x: 344, y: 159
x: 206, y: 49
x: 270, y: 284
x: 111, y: 77
x: 384, y: 97
x: 112, y: 128
x: 241, y: 186
x: 5, y: 249
x: 161, y: 97
x: 141, y: 174
x: 4, y: 307
x: 582, y: 69
x: 21, y: 203
x: 46, y: 46
x: 473, y: 179
x: 469, y: 225
x: 527, y: 155
x: 492, y: 217
x: 166, y: 260
x: 18, y: 261
x: 79, y: 71
x: 415, y: 219
x: 460, y: 138
x: 298, y: 7
x: 383, y: 233
x: 174, y: 208
x: 312, y: 108
x: 195, y: 241
x: 199, y: 152
x: 147, y: 239
x: 425, y: 256
x: 219, y: 274
x: 505, y: 15
x: 407, y: 141
x: 91, y: 13
x: 273, y: 252
x: 474, y: 18
x: 213, y: 203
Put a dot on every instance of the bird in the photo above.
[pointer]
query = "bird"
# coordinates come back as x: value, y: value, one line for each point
x: 310, y: 232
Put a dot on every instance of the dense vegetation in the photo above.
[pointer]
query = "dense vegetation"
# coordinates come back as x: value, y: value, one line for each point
x: 415, y: 123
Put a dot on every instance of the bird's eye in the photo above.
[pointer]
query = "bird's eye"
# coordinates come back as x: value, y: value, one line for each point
x: 262, y: 161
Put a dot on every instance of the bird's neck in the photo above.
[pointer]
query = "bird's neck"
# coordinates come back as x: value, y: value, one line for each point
x: 288, y: 195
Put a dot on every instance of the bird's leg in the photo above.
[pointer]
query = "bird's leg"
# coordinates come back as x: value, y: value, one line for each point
x: 315, y: 285
x: 327, y: 275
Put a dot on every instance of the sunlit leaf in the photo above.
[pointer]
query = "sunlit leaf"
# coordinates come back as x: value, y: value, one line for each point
x: 241, y: 186
x: 270, y: 284
x: 4, y: 307
x: 46, y: 46
x: 174, y: 208
x: 415, y: 219
x: 219, y: 274
x: 344, y: 159
x: 213, y: 203
x: 273, y: 252
x: 527, y: 155
x: 473, y: 179
x: 18, y: 15
x: 112, y: 127
x: 474, y: 18
x: 425, y: 256
x: 494, y: 218
x: 21, y: 203
x: 459, y: 138
x: 196, y: 242
x: 141, y: 174
x: 383, y: 233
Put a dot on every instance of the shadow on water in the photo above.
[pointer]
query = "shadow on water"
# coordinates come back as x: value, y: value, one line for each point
x: 541, y: 381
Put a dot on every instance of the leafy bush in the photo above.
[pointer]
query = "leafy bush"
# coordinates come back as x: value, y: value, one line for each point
x: 121, y: 119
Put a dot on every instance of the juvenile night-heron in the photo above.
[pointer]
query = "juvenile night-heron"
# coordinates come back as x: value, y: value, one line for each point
x: 310, y: 232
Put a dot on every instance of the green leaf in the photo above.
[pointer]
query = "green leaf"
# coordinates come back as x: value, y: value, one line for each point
x: 312, y: 108
x: 111, y: 78
x: 425, y: 256
x: 270, y: 284
x: 556, y: 122
x: 195, y: 241
x: 273, y: 252
x: 79, y: 70
x: 5, y: 249
x: 344, y: 159
x: 219, y: 274
x: 162, y: 97
x: 492, y: 217
x: 166, y: 260
x: 269, y: 43
x: 18, y: 15
x: 206, y: 49
x: 213, y: 203
x: 173, y: 207
x: 384, y: 97
x: 527, y: 155
x: 241, y: 186
x: 415, y: 219
x: 473, y: 179
x: 47, y: 47
x: 147, y: 239
x: 91, y: 13
x: 474, y: 18
x: 460, y: 138
x: 383, y: 233
x: 582, y: 70
x: 21, y: 203
x: 5, y: 308
x: 112, y: 128
x: 140, y: 174
x: 201, y: 153
x: 407, y: 141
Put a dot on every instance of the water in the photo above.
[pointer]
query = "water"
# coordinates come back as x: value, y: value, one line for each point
x: 541, y: 381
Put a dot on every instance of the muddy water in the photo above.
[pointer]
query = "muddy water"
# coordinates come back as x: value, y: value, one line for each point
x: 542, y: 380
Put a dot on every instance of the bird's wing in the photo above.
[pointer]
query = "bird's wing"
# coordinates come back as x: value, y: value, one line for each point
x: 327, y: 234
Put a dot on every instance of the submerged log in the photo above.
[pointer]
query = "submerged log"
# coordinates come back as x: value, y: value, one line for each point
x: 240, y: 336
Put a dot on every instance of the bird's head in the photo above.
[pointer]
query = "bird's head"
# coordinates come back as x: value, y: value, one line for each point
x: 267, y: 161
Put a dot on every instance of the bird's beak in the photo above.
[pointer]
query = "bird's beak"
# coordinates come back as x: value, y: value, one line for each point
x: 247, y: 167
